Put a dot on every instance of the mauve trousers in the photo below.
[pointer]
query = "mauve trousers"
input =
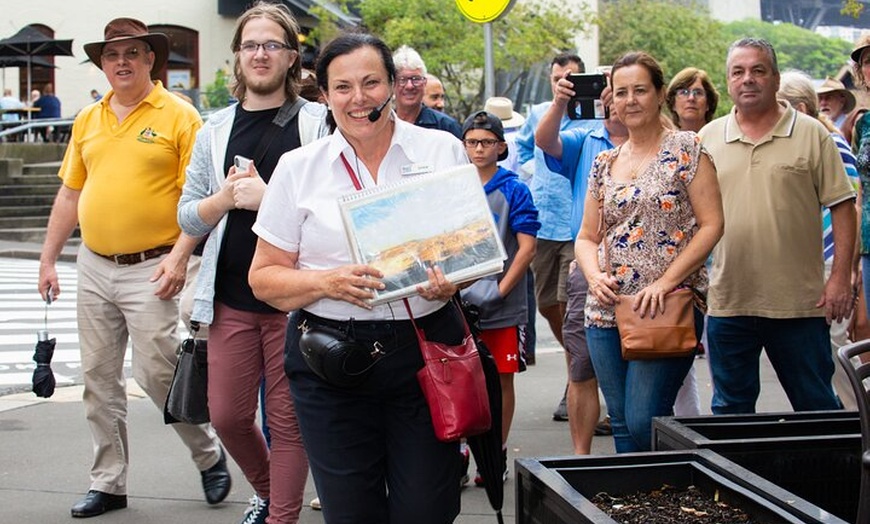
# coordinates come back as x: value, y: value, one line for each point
x: 242, y: 348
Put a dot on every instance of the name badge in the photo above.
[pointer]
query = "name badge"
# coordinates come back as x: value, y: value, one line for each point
x: 417, y: 169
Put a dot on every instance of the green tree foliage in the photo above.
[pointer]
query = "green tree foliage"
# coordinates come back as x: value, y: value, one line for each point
x: 217, y: 94
x: 796, y: 48
x: 852, y: 8
x: 678, y: 36
x: 452, y: 47
x: 682, y: 35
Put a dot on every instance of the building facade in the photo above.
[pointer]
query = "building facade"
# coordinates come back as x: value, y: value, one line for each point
x: 200, y: 33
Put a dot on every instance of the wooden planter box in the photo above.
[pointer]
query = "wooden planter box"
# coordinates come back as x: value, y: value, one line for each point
x: 557, y: 490
x: 815, y: 455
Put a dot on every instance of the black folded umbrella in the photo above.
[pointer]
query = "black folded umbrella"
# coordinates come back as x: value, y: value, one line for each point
x: 486, y: 447
x: 43, y: 377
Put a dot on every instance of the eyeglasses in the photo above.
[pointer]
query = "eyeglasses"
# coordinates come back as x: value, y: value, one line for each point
x: 130, y: 55
x: 697, y: 93
x: 416, y: 81
x: 269, y: 47
x: 472, y: 143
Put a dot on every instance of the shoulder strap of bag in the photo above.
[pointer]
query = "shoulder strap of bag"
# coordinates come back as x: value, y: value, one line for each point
x: 419, y: 331
x: 285, y: 114
x: 603, y: 230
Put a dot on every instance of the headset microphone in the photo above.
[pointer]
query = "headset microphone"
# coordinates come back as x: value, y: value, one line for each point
x: 376, y: 112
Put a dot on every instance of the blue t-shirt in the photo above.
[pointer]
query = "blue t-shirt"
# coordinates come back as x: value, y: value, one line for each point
x: 579, y: 149
x: 552, y: 192
x: 49, y: 107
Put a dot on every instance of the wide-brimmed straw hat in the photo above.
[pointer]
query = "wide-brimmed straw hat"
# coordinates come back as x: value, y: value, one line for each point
x: 862, y: 44
x: 121, y: 29
x: 832, y: 85
x: 503, y: 108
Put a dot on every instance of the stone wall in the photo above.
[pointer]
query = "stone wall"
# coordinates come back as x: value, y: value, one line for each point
x: 32, y: 153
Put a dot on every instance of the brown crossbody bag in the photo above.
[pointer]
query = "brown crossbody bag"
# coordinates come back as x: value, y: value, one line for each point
x: 670, y: 334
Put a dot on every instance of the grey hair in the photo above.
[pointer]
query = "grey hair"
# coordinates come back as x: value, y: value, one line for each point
x: 797, y: 87
x: 406, y: 58
x: 758, y: 43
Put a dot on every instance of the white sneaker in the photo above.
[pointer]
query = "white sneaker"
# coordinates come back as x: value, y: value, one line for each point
x: 253, y: 503
x: 315, y: 504
x: 259, y: 514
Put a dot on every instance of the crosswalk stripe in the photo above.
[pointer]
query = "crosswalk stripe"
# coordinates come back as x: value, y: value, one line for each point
x: 23, y: 313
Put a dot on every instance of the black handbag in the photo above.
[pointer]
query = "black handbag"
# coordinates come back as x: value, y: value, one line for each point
x: 187, y: 400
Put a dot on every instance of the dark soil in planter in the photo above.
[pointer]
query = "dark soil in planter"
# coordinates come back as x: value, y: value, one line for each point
x: 670, y: 505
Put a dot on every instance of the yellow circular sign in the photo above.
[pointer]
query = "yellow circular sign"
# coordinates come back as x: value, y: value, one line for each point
x: 483, y: 11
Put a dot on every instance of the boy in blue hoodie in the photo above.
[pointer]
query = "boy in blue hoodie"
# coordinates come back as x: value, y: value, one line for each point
x: 502, y: 298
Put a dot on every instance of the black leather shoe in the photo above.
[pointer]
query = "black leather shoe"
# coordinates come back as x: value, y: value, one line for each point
x: 216, y: 481
x: 96, y: 503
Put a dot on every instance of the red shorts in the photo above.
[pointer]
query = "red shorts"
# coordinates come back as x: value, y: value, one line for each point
x: 504, y: 344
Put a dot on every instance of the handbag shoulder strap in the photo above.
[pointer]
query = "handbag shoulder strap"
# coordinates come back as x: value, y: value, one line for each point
x: 420, y: 331
x: 285, y: 114
x: 603, y: 230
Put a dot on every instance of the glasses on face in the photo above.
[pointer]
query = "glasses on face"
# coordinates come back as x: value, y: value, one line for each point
x: 269, y: 47
x: 472, y: 143
x: 129, y: 54
x: 416, y: 81
x: 685, y: 92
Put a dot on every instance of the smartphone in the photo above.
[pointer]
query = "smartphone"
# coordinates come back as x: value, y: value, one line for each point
x: 586, y: 103
x: 242, y: 163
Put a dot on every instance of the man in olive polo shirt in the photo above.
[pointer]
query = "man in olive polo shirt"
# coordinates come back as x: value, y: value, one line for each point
x: 777, y: 167
x: 122, y: 176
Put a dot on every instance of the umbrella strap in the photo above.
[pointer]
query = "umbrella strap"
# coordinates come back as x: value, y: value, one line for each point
x: 45, y: 314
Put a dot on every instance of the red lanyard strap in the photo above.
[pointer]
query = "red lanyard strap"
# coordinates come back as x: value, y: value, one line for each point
x: 350, y: 173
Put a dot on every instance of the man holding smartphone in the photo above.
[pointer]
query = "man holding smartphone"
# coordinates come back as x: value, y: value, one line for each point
x: 233, y: 159
x: 571, y: 154
x: 552, y: 195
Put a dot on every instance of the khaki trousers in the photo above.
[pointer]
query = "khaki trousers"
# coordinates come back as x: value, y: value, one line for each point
x: 117, y: 303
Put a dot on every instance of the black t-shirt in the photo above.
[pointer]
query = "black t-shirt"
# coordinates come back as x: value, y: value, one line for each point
x: 237, y: 250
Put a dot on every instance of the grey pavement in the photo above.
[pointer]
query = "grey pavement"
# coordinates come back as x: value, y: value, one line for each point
x: 46, y: 449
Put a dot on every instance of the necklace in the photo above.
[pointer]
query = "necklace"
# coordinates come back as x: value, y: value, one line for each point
x: 632, y: 170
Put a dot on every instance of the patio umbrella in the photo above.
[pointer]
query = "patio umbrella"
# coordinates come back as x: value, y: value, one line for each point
x: 30, y: 42
x: 18, y: 61
x: 486, y: 447
x: 43, y: 377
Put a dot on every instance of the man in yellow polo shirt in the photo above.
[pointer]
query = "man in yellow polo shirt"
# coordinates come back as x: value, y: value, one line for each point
x: 122, y: 176
x: 777, y: 167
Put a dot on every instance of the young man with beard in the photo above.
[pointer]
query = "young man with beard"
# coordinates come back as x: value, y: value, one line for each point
x: 221, y: 199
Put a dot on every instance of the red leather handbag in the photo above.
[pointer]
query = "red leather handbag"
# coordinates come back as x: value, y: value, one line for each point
x: 454, y: 385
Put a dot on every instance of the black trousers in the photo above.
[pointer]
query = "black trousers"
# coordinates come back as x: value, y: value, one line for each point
x: 372, y: 449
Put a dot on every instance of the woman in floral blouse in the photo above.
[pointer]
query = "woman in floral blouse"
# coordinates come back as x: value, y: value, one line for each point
x: 662, y: 213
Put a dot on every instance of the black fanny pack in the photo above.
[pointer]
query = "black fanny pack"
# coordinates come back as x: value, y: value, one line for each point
x: 335, y: 356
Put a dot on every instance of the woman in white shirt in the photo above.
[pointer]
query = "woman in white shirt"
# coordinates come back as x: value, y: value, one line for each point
x: 372, y: 449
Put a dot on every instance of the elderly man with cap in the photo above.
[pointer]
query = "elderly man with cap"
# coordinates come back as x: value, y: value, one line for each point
x: 835, y: 101
x: 122, y: 176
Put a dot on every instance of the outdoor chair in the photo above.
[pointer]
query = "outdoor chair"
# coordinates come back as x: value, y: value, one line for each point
x: 855, y: 359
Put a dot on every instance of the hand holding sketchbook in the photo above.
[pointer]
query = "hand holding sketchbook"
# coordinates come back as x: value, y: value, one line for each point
x: 434, y: 219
